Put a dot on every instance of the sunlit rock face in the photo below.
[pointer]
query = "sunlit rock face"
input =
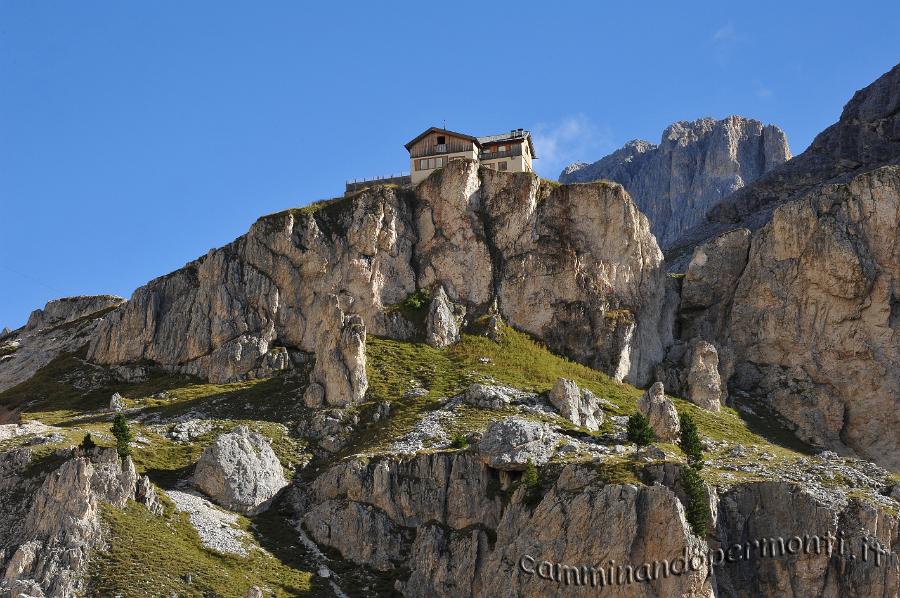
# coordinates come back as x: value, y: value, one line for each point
x: 575, y: 266
x: 696, y: 165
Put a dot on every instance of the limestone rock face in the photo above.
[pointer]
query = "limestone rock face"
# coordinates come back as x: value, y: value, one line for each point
x: 704, y: 386
x: 59, y: 312
x: 814, y: 320
x: 435, y: 515
x: 580, y: 270
x: 63, y: 525
x: 661, y: 413
x: 442, y: 325
x: 576, y: 267
x: 219, y: 316
x: 510, y: 443
x: 709, y: 283
x: 864, y: 138
x: 577, y: 405
x: 694, y: 167
x: 62, y: 326
x: 451, y: 247
x: 339, y: 376
x: 773, y: 510
x: 240, y: 472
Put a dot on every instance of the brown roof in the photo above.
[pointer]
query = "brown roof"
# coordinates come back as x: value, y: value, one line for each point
x: 518, y: 135
x: 446, y: 132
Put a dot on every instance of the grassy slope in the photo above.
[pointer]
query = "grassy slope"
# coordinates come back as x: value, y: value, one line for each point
x: 169, y: 548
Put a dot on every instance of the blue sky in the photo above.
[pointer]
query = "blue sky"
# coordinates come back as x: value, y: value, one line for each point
x: 135, y: 136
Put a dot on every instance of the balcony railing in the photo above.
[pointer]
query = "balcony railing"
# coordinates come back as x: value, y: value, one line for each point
x: 440, y: 148
x: 516, y: 151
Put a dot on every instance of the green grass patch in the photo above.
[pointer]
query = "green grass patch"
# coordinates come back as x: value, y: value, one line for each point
x: 155, y: 556
x: 414, y: 309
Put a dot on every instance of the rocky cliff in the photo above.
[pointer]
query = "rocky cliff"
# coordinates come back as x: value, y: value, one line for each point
x: 805, y: 310
x: 864, y: 138
x: 62, y: 325
x: 802, y: 304
x: 696, y: 165
x: 575, y: 266
x: 429, y: 392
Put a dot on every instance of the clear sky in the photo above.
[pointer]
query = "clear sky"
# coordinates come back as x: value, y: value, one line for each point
x: 135, y: 136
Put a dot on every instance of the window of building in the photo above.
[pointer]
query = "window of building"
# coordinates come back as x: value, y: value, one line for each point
x: 502, y: 148
x: 441, y: 140
x: 502, y: 165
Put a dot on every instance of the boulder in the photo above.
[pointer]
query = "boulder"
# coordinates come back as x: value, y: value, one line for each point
x: 145, y: 494
x: 191, y: 429
x: 442, y: 324
x: 487, y: 397
x: 330, y: 429
x: 314, y: 396
x: 240, y: 472
x: 577, y: 405
x: 510, y: 443
x: 661, y: 413
x: 704, y: 386
x: 117, y: 403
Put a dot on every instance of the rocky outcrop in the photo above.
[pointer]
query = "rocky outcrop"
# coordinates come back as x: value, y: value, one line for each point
x: 579, y: 269
x: 437, y: 522
x: 62, y: 326
x: 577, y: 405
x: 485, y: 396
x: 59, y: 312
x: 692, y: 370
x: 576, y: 267
x: 661, y: 413
x: 116, y: 402
x: 808, y: 321
x: 512, y: 443
x: 791, y: 544
x: 240, y: 472
x: 864, y: 138
x: 62, y: 525
x: 704, y: 386
x: 438, y: 516
x: 442, y: 323
x: 339, y: 376
x: 814, y: 320
x: 277, y: 283
x: 696, y: 165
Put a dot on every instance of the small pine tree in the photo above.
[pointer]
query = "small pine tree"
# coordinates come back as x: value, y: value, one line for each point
x: 639, y: 430
x: 123, y: 435
x: 87, y: 443
x: 690, y: 441
x: 530, y: 476
x: 697, y: 507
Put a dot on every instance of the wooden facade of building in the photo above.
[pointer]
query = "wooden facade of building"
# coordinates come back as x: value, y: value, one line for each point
x: 434, y: 148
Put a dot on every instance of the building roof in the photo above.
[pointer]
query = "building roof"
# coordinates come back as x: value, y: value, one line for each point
x: 445, y: 131
x: 514, y: 135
